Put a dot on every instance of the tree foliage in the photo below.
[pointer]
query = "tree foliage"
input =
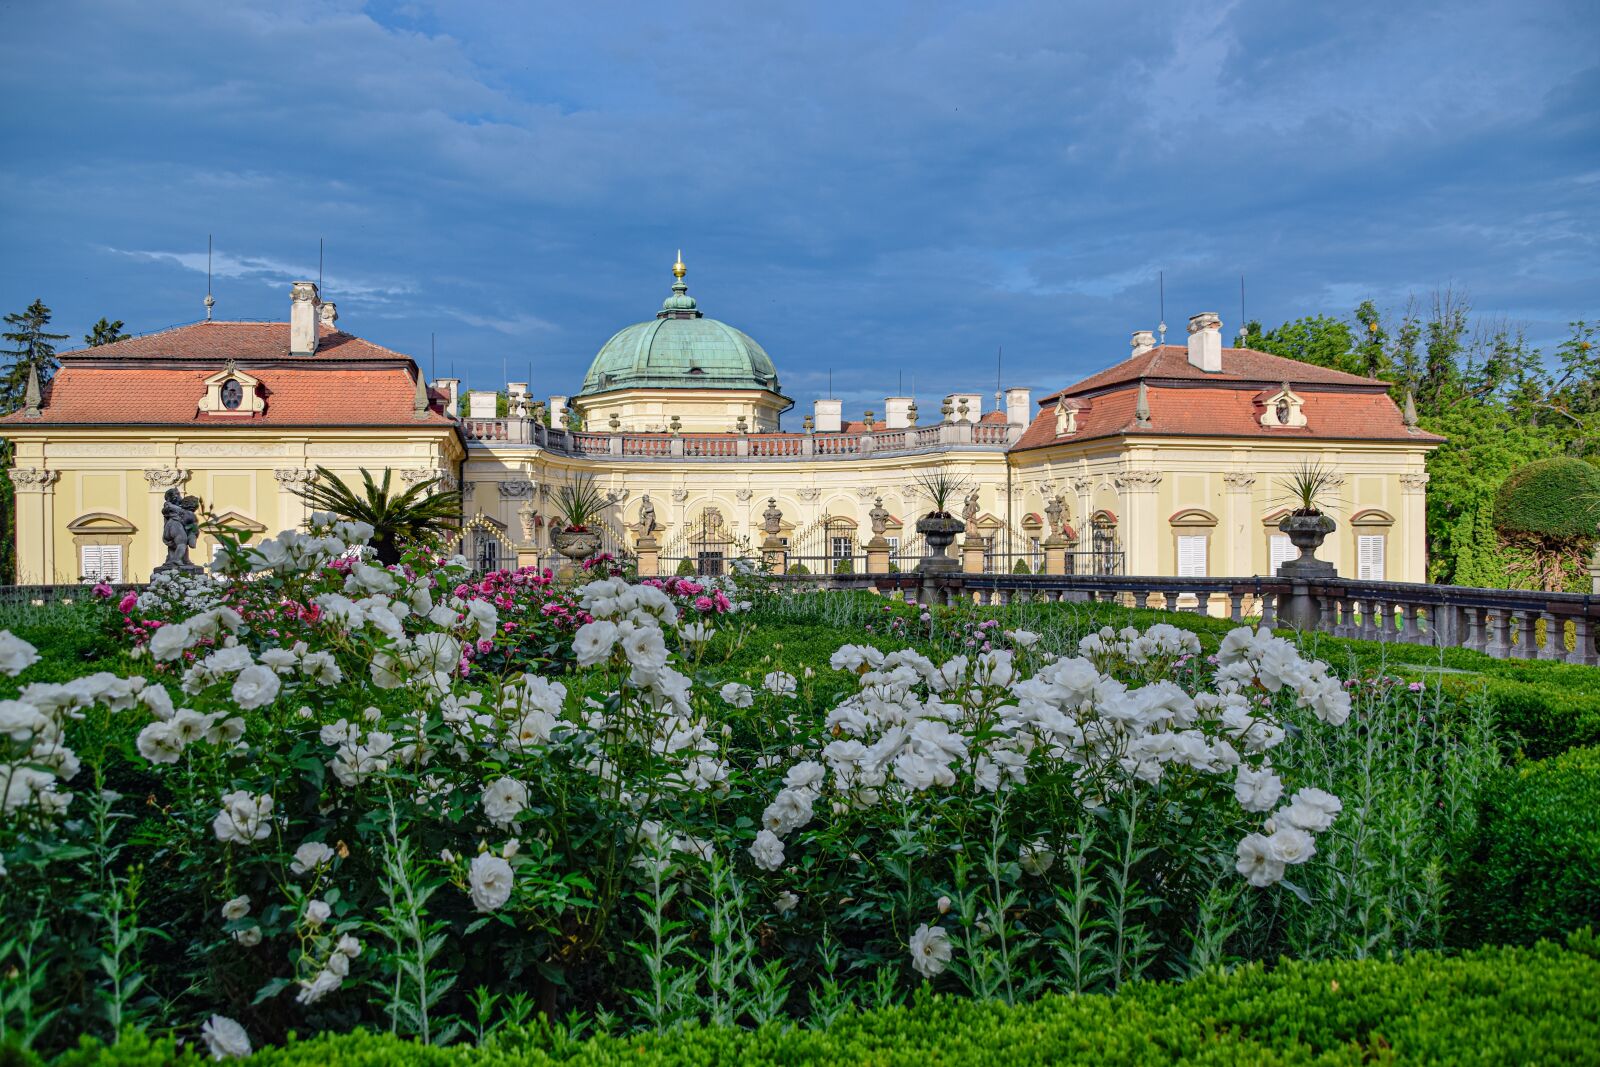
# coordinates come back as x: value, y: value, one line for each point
x: 31, y: 345
x: 415, y: 516
x: 105, y: 332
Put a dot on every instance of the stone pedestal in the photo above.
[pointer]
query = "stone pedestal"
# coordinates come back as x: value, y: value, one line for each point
x: 649, y: 558
x: 1055, y: 555
x: 878, y: 556
x: 972, y: 552
x: 527, y: 556
x: 774, y: 555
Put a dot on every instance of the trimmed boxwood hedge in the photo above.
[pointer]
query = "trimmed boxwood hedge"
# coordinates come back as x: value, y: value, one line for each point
x: 1494, y: 1006
x: 1535, y: 871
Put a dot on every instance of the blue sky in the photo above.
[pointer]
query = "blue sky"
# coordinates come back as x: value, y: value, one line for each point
x: 883, y: 189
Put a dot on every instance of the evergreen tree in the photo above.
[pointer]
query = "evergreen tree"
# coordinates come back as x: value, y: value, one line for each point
x: 105, y: 332
x: 32, y: 346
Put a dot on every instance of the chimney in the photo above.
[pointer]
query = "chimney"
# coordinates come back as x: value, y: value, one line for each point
x: 1019, y: 404
x: 1205, y: 342
x: 1143, y: 341
x: 828, y: 415
x: 558, y: 412
x: 303, y: 318
x: 896, y: 412
x: 328, y: 315
x: 481, y: 403
x: 452, y: 387
x: 516, y: 389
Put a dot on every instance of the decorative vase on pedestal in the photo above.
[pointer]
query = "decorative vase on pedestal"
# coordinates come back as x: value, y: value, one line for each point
x: 939, y: 530
x: 576, y: 545
x: 1307, y: 531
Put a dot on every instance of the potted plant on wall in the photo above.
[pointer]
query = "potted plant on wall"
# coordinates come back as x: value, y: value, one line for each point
x: 1309, y: 492
x: 939, y: 527
x: 578, y: 507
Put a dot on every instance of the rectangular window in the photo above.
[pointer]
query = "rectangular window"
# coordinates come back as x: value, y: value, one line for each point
x: 843, y: 547
x: 1281, y: 551
x: 101, y: 563
x: 894, y: 544
x: 1369, y: 557
x: 1191, y: 555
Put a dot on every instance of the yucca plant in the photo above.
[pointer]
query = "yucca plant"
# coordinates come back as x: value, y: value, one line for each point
x: 579, y: 503
x: 941, y: 487
x: 1309, y: 488
x: 415, y: 516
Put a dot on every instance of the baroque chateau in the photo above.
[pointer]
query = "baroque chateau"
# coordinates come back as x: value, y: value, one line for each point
x: 1168, y: 462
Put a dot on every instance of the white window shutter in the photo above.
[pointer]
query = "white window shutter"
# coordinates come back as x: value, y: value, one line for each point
x: 1369, y: 557
x: 1281, y: 552
x: 1191, y: 556
x: 101, y: 563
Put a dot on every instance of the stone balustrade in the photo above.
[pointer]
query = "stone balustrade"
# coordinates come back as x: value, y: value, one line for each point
x: 1503, y: 623
x: 980, y: 437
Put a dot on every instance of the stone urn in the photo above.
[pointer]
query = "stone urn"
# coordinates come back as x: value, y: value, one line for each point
x: 1306, y: 532
x: 939, y: 529
x: 576, y: 544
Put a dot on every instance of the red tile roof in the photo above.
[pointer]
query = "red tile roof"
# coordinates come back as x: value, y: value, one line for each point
x: 1331, y: 413
x: 294, y: 396
x: 1238, y: 365
x: 239, y: 341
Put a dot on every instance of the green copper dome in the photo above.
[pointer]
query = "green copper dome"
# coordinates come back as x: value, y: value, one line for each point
x: 680, y: 349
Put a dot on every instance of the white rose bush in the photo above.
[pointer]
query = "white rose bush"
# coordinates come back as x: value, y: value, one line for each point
x: 336, y: 794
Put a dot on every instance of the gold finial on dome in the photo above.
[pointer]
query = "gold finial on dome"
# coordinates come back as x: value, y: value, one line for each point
x: 678, y: 269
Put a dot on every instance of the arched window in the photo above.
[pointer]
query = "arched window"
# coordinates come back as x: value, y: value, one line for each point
x: 1191, y: 539
x: 1104, y: 546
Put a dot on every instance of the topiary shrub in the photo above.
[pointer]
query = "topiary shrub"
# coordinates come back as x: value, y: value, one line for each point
x: 686, y: 568
x: 1551, y: 498
x: 799, y: 568
x: 1536, y: 869
x: 844, y: 566
x: 1020, y: 567
x: 1544, y: 514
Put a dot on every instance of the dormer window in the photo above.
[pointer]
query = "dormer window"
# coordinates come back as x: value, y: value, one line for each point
x: 1283, y: 409
x: 232, y: 392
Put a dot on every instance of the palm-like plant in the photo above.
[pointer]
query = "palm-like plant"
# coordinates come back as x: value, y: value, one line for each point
x: 579, y: 503
x: 1309, y: 488
x: 397, y: 519
x: 941, y: 487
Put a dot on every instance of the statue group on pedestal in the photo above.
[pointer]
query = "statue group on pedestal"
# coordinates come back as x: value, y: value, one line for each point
x: 180, y: 529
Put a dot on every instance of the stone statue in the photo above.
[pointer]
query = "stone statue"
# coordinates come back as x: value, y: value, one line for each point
x: 969, y: 512
x: 180, y: 529
x: 1053, y: 511
x: 647, y: 517
x: 772, y: 518
x: 879, y: 517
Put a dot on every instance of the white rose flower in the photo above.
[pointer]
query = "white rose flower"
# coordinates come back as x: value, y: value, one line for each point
x: 255, y: 687
x: 16, y: 655
x: 491, y: 878
x: 767, y: 851
x: 169, y: 641
x: 21, y: 721
x: 249, y: 937
x: 930, y: 950
x: 593, y: 641
x: 310, y: 856
x: 280, y: 659
x: 1257, y: 861
x: 1036, y: 858
x: 244, y: 819
x: 324, y: 983
x: 348, y: 946
x: 1257, y: 790
x: 157, y: 700
x: 159, y: 744
x: 237, y: 908
x: 786, y: 902
x: 1312, y: 809
x: 1290, y: 844
x: 737, y: 695
x: 317, y: 912
x: 225, y: 1039
x: 779, y: 683
x: 789, y: 810
x: 504, y: 800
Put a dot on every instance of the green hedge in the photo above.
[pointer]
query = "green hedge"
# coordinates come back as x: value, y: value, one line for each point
x: 1493, y: 1006
x: 1536, y: 869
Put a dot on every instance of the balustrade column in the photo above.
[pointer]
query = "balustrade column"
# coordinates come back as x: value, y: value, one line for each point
x: 1583, y: 650
x: 1526, y: 638
x: 1499, y: 621
x: 1555, y: 637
